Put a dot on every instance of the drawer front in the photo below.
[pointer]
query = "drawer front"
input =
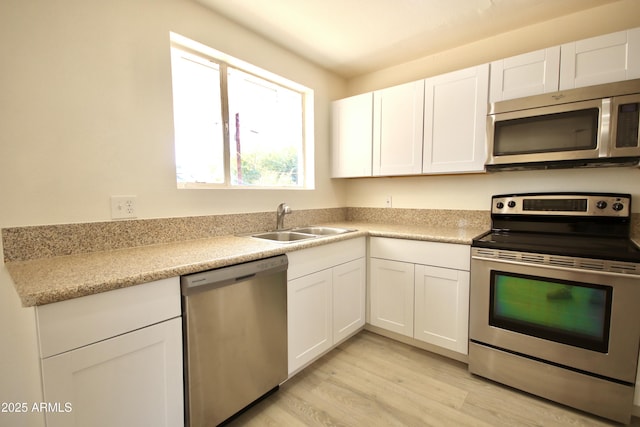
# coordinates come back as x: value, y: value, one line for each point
x: 307, y: 261
x: 448, y: 255
x: 65, y: 325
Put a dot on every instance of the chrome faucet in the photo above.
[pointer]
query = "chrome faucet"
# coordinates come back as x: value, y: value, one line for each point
x: 283, y: 209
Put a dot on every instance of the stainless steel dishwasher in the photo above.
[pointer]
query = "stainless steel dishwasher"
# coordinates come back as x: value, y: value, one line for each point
x: 235, y: 337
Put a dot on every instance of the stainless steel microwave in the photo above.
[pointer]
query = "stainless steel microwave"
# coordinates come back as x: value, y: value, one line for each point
x: 585, y: 127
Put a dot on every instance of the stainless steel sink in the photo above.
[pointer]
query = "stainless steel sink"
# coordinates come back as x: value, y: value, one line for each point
x: 322, y: 231
x: 284, y: 236
x: 301, y: 233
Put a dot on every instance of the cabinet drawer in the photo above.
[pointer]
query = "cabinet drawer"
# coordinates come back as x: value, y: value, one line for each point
x: 448, y: 255
x: 74, y: 323
x: 307, y: 261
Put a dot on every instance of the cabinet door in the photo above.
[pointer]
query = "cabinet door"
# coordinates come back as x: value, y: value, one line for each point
x: 455, y: 115
x: 349, y: 287
x: 604, y: 59
x: 352, y: 136
x: 528, y: 74
x: 309, y: 318
x: 391, y: 296
x: 442, y: 307
x: 133, y: 379
x: 397, y: 129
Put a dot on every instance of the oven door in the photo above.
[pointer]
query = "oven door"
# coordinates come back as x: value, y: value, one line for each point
x: 583, y: 320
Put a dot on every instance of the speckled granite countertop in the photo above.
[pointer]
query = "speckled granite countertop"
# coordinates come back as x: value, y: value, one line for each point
x: 48, y: 280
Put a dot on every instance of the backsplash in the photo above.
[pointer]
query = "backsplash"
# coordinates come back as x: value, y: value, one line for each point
x: 428, y: 217
x: 47, y: 241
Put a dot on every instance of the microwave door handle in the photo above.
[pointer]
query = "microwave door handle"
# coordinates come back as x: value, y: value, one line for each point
x: 604, y: 138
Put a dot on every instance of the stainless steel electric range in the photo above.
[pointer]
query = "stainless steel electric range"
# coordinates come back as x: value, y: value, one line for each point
x: 555, y: 300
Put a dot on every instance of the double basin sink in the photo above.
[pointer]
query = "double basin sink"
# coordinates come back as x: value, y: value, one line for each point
x: 301, y: 233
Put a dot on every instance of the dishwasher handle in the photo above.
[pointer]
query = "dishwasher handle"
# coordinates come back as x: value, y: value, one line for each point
x: 225, y: 276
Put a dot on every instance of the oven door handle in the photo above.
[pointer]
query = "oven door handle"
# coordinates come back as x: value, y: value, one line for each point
x: 583, y: 265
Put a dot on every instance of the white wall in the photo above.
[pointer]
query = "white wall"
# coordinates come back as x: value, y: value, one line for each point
x: 474, y: 191
x: 85, y: 113
x: 86, y: 110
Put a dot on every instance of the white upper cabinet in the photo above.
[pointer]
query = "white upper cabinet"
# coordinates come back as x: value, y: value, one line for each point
x: 437, y: 125
x: 455, y: 121
x: 352, y: 127
x: 528, y: 74
x: 598, y: 60
x: 397, y: 129
x: 604, y: 59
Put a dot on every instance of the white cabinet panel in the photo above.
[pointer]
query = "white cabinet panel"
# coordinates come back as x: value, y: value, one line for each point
x: 352, y: 136
x: 397, y: 129
x: 603, y: 59
x: 421, y: 290
x: 391, y: 299
x: 131, y: 380
x: 309, y: 319
x: 442, y: 307
x: 349, y: 288
x: 528, y: 74
x: 455, y: 121
x: 326, y: 298
x: 73, y: 323
x: 449, y: 255
x: 310, y: 260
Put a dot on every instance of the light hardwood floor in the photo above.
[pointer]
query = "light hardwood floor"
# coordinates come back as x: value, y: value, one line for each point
x: 371, y: 380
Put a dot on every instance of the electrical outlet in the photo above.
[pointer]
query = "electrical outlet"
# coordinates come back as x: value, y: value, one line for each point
x: 123, y: 207
x: 387, y: 202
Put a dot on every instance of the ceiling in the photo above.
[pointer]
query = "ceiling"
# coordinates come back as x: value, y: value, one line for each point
x: 354, y: 37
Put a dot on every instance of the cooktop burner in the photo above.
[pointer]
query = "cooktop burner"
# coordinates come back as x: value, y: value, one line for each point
x: 586, y: 225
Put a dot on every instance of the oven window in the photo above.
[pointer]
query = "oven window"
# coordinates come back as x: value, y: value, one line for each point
x: 572, y: 313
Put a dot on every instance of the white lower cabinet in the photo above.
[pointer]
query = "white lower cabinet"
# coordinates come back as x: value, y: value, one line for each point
x: 114, y: 358
x: 391, y: 299
x: 442, y: 307
x: 325, y: 298
x: 128, y: 380
x: 421, y: 290
x: 309, y: 317
x: 348, y: 291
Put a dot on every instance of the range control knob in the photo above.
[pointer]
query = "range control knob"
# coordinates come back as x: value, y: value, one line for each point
x: 617, y: 206
x: 511, y: 204
x: 601, y: 204
x: 499, y: 205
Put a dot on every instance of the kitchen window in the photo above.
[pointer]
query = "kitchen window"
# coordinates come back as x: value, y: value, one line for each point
x: 237, y: 126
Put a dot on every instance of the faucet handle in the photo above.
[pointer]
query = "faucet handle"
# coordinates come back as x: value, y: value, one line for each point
x: 284, y: 208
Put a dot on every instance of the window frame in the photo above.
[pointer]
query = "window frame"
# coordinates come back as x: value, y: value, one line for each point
x: 223, y: 61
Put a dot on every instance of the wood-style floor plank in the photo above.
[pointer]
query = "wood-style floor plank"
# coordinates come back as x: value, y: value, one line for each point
x: 372, y: 380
